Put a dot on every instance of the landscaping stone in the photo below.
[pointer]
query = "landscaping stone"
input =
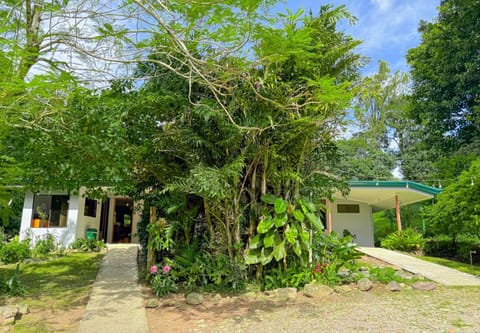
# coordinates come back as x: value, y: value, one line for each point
x: 216, y: 299
x: 315, y: 290
x: 23, y: 309
x: 364, y: 284
x: 403, y: 275
x: 8, y: 314
x: 194, y: 299
x: 248, y: 296
x: 343, y: 273
x: 424, y: 286
x: 5, y: 329
x: 394, y: 286
x: 151, y: 303
x: 285, y: 294
x: 169, y: 303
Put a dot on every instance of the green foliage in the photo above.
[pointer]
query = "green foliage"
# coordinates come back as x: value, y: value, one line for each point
x: 457, y: 248
x: 384, y: 275
x: 407, y: 240
x: 15, y: 251
x: 283, y: 230
x: 330, y: 253
x: 295, y: 276
x: 162, y: 280
x: 88, y: 245
x: 43, y: 247
x: 194, y: 269
x: 457, y: 209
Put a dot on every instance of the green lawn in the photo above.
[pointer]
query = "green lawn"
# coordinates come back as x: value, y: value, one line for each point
x: 52, y: 287
x: 467, y: 268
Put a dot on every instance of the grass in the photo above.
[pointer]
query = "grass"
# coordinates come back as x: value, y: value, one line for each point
x: 54, y: 286
x: 463, y: 267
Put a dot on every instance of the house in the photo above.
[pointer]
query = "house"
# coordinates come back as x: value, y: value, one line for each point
x: 115, y: 219
x: 71, y: 216
x: 354, y: 213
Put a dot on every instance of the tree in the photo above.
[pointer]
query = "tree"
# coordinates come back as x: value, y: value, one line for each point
x: 446, y: 90
x: 457, y: 209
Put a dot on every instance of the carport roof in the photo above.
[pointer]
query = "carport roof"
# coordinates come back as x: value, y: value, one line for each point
x: 381, y: 194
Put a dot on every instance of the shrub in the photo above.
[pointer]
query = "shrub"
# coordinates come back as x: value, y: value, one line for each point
x: 295, y: 276
x: 407, y: 240
x: 162, y: 280
x: 88, y: 245
x: 15, y: 251
x: 43, y: 247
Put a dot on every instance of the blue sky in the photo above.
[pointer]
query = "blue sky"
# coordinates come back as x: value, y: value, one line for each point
x: 388, y: 28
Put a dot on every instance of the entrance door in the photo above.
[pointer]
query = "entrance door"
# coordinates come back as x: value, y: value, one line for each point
x: 122, y: 224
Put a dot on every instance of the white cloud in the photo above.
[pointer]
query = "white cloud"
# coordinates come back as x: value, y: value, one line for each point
x: 383, y: 5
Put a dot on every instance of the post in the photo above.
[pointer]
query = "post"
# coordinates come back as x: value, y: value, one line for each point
x: 150, y: 251
x: 397, y: 211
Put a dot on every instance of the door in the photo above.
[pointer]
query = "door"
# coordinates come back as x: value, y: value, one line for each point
x: 122, y: 224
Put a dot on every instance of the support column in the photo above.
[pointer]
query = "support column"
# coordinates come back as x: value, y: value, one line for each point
x: 397, y: 211
x: 329, y: 217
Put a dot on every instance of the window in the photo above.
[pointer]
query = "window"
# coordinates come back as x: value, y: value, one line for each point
x: 90, y: 207
x: 348, y: 208
x: 50, y: 211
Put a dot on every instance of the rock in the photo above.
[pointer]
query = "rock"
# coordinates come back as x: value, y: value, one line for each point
x: 364, y: 269
x: 394, y: 286
x: 5, y: 329
x: 343, y: 289
x: 8, y: 312
x: 424, y: 286
x: 248, y: 296
x: 315, y: 290
x: 168, y: 303
x: 216, y: 299
x: 364, y: 284
x: 403, y: 275
x: 285, y: 294
x: 194, y: 299
x: 151, y: 303
x: 343, y: 273
x: 23, y: 309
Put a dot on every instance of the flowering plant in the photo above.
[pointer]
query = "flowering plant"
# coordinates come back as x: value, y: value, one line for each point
x: 162, y: 282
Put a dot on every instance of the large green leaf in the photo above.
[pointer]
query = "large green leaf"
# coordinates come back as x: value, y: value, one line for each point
x: 298, y: 215
x: 291, y: 234
x: 279, y: 251
x: 269, y: 198
x: 256, y: 242
x: 266, y: 256
x: 253, y: 256
x: 280, y: 220
x: 307, y: 206
x: 297, y: 248
x: 315, y: 220
x: 280, y: 206
x: 265, y: 225
x: 268, y: 240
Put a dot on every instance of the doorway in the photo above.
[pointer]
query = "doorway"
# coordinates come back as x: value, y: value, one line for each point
x: 123, y: 218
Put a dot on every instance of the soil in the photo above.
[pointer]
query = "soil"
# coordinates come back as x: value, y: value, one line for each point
x: 449, y: 310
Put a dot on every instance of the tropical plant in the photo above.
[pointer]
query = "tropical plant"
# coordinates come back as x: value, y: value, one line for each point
x: 407, y: 240
x: 88, y: 245
x: 15, y: 251
x: 44, y: 246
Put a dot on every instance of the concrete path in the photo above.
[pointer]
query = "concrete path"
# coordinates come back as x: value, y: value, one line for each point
x: 116, y: 304
x: 441, y: 274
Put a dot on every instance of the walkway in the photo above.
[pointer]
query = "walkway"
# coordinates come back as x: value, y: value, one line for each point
x: 441, y: 274
x: 116, y: 304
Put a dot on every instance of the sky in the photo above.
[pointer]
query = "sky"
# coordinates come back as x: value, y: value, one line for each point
x: 388, y: 28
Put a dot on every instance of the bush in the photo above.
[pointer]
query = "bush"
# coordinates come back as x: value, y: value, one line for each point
x: 88, y: 245
x: 407, y: 240
x: 15, y: 251
x: 162, y: 280
x: 446, y: 247
x: 43, y: 247
x: 13, y: 286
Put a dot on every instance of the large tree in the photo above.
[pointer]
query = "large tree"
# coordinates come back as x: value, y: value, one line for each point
x: 446, y: 80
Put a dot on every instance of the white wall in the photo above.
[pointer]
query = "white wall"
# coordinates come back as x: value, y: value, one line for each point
x: 63, y: 235
x: 359, y: 224
x: 85, y: 222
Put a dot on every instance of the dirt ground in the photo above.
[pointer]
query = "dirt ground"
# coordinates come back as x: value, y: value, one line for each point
x: 449, y: 310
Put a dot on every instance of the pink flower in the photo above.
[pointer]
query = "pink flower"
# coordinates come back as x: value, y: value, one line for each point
x: 166, y: 269
x: 154, y: 269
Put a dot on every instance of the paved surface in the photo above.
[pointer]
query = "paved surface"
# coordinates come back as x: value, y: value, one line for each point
x: 441, y: 274
x: 116, y: 304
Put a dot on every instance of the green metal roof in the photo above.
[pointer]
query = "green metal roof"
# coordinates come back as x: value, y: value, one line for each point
x: 380, y: 195
x: 397, y: 183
